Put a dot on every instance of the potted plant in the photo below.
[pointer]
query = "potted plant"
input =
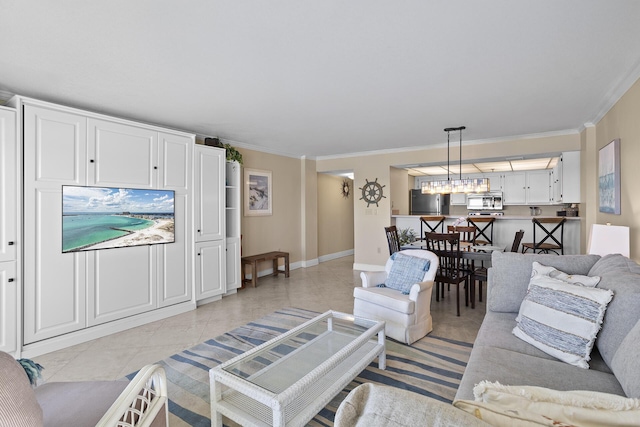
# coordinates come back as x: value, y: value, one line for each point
x: 233, y: 155
x: 407, y: 235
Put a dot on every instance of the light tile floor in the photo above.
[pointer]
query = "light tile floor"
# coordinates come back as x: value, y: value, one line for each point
x: 328, y: 285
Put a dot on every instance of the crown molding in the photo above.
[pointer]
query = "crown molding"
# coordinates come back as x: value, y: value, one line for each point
x: 616, y: 92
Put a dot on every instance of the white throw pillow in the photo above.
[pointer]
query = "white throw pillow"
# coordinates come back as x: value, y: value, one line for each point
x: 501, y: 405
x: 575, y: 279
x: 562, y: 319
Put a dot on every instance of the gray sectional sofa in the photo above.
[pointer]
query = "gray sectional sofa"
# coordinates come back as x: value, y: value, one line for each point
x: 500, y: 356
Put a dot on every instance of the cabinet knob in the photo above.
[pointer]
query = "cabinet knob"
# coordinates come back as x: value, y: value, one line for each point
x: 91, y: 161
x: 155, y: 167
x: 198, y: 231
x: 198, y: 254
x: 11, y: 243
x: 11, y: 280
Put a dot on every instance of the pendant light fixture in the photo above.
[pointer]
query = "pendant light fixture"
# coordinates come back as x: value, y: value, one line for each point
x: 468, y: 185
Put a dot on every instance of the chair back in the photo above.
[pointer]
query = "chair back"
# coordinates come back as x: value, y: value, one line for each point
x: 484, y: 229
x: 447, y: 247
x: 420, y: 253
x: 516, y: 241
x: 467, y: 233
x: 431, y: 224
x: 550, y: 234
x: 392, y: 239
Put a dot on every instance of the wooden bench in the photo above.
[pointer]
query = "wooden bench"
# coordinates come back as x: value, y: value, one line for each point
x: 253, y: 260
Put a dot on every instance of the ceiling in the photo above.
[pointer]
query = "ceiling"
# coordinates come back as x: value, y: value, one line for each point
x: 328, y: 78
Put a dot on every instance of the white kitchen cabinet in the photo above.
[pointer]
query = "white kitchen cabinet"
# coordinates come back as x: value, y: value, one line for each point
x: 571, y: 177
x: 495, y: 181
x: 209, y: 173
x: 8, y: 307
x: 527, y: 188
x: 210, y: 269
x: 539, y: 187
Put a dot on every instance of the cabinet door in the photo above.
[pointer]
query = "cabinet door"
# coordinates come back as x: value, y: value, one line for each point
x: 54, y: 283
x: 514, y: 189
x: 123, y: 283
x: 209, y: 190
x: 458, y: 199
x: 210, y: 266
x: 8, y: 307
x: 233, y: 263
x: 571, y: 177
x: 538, y: 187
x: 174, y: 274
x: 495, y: 181
x: 122, y: 155
x: 556, y: 183
x: 8, y: 186
x: 175, y: 160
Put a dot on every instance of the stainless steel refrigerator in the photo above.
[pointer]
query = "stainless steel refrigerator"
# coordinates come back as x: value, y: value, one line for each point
x: 428, y: 204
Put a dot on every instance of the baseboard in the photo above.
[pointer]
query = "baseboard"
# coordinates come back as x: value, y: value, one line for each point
x: 368, y: 267
x: 336, y: 255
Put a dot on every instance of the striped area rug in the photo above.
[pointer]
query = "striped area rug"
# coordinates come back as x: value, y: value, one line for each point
x: 432, y: 367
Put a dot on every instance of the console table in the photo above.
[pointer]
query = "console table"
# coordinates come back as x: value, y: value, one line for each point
x: 253, y: 260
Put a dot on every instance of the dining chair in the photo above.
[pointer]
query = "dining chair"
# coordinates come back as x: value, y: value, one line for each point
x: 432, y: 223
x: 549, y: 229
x: 392, y: 239
x: 451, y: 269
x: 467, y: 233
x: 479, y: 274
x: 484, y: 229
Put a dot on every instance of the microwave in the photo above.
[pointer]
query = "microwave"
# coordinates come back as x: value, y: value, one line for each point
x: 485, y: 201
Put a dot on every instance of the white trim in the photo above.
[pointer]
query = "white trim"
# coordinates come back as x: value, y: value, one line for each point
x: 617, y: 91
x: 237, y: 144
x: 368, y: 267
x: 336, y: 255
x: 309, y: 263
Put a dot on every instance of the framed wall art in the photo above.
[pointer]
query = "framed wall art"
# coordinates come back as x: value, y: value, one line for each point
x: 258, y: 194
x: 609, y: 177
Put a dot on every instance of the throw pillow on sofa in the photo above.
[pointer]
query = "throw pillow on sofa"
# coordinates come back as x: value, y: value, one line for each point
x: 501, y: 405
x: 406, y: 271
x: 574, y: 279
x: 562, y: 319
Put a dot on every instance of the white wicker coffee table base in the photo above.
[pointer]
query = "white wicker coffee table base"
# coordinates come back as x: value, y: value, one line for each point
x: 294, y: 404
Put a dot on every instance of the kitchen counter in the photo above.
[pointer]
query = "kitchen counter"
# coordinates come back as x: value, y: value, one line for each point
x: 505, y: 228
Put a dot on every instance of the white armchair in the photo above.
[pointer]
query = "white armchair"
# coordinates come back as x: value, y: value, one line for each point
x: 407, y: 317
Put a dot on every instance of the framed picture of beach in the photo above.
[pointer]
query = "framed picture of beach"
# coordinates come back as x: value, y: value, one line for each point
x: 110, y: 217
x: 258, y: 195
x: 609, y: 177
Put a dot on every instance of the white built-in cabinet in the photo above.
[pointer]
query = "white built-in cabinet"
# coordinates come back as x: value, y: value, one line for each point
x: 67, y: 292
x: 209, y: 172
x: 9, y: 283
x: 527, y: 188
x: 232, y: 206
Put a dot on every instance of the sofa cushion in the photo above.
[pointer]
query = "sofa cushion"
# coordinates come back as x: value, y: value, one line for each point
x: 622, y: 276
x: 386, y: 297
x: 405, y: 271
x: 562, y: 319
x: 626, y: 363
x: 18, y: 404
x: 510, y: 273
x: 509, y: 367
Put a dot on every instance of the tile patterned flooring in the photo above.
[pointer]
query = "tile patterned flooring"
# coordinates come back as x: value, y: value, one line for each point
x: 328, y: 285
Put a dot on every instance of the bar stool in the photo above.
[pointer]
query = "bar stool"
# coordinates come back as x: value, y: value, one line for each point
x: 484, y: 229
x: 432, y: 223
x: 555, y: 234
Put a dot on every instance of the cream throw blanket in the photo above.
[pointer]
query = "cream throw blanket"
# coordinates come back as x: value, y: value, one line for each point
x: 501, y: 405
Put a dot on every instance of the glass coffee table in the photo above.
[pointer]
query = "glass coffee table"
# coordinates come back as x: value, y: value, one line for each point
x: 287, y: 380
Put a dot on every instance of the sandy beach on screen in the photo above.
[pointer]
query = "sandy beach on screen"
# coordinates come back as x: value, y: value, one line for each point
x: 160, y: 231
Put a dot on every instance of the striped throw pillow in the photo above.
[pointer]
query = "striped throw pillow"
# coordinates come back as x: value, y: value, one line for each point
x: 562, y: 319
x: 406, y: 271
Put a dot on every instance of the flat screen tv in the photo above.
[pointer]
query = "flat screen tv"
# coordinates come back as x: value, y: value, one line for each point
x: 110, y: 217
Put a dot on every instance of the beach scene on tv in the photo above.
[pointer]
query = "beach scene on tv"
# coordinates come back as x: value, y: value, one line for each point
x: 105, y: 217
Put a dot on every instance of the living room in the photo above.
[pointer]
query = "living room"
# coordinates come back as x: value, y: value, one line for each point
x: 311, y: 219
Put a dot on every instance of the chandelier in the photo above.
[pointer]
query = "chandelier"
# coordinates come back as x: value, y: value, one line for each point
x: 467, y: 185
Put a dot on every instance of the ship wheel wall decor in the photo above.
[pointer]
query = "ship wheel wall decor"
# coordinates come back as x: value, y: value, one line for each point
x: 372, y: 192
